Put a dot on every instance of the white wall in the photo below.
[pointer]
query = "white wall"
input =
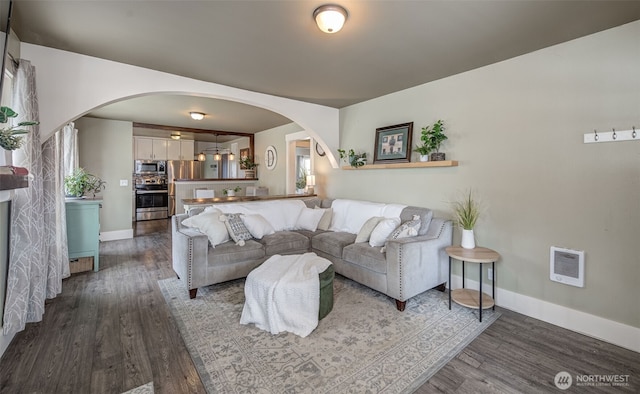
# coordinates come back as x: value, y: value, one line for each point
x: 274, y: 179
x: 517, y: 128
x: 106, y: 150
x: 71, y: 85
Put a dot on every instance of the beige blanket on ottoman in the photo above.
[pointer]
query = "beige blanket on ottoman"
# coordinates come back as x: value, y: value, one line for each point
x: 283, y: 294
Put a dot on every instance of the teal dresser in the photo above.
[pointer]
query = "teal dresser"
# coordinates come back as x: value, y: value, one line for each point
x: 83, y: 229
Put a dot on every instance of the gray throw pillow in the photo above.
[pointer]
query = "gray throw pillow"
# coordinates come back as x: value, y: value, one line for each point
x: 367, y: 228
x: 237, y: 230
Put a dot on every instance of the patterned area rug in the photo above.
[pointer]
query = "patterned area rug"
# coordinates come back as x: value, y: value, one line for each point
x: 144, y: 389
x: 363, y: 345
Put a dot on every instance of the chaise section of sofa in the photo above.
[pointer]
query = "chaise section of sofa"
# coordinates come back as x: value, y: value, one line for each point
x: 402, y: 269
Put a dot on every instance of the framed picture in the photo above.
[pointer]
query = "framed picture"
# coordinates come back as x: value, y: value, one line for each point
x: 244, y: 153
x: 393, y: 143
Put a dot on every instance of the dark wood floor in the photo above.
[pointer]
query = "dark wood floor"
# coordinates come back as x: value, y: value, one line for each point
x: 111, y: 331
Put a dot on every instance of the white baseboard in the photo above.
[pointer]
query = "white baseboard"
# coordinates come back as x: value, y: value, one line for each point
x: 116, y: 235
x: 594, y: 326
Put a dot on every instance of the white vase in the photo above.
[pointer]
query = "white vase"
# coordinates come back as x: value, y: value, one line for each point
x: 231, y: 193
x: 424, y: 157
x: 6, y: 157
x: 468, y: 241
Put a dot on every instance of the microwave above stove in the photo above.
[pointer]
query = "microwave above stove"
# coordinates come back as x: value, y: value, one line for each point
x: 150, y: 167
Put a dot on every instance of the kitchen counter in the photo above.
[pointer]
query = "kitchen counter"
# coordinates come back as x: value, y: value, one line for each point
x: 190, y: 203
x: 226, y: 180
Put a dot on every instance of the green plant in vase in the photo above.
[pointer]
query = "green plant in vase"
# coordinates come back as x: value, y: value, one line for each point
x: 467, y: 212
x: 354, y: 159
x: 11, y: 137
x: 231, y: 191
x: 433, y: 137
x: 81, y: 182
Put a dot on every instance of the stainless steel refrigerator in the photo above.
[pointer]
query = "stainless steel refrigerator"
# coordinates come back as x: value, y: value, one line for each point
x: 181, y: 169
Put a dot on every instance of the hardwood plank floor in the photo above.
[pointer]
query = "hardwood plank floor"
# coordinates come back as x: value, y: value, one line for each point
x: 111, y: 331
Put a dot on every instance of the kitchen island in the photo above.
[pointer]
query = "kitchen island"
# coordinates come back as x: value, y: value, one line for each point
x: 181, y: 189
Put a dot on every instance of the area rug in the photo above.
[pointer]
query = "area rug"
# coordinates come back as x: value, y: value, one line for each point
x: 363, y: 346
x: 144, y: 389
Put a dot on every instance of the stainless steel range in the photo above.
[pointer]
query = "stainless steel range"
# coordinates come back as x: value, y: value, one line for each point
x: 152, y: 197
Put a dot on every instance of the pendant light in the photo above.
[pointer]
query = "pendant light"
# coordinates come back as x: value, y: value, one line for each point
x: 216, y: 157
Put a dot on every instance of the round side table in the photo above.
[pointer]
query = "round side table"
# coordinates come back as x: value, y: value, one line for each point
x: 467, y: 297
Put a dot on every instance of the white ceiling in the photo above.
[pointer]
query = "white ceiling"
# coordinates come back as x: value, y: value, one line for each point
x: 274, y: 47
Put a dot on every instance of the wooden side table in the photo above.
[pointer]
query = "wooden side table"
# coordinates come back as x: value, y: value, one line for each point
x: 467, y: 297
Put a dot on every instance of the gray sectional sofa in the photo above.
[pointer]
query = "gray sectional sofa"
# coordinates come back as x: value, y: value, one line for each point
x: 404, y: 268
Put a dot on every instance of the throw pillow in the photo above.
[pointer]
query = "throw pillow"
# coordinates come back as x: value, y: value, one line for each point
x: 367, y: 228
x: 382, y: 231
x: 325, y: 221
x: 209, y: 224
x: 407, y: 229
x: 237, y: 230
x: 309, y: 219
x: 257, y: 225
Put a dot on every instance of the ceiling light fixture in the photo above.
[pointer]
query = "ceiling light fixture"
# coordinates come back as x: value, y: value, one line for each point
x: 217, y: 157
x: 196, y: 115
x: 231, y: 156
x: 202, y: 156
x: 330, y: 17
x: 175, y: 136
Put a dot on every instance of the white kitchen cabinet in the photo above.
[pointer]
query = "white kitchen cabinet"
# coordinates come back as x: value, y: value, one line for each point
x: 150, y: 148
x: 180, y: 149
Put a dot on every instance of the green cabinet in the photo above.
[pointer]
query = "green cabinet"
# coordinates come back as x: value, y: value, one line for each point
x: 83, y: 229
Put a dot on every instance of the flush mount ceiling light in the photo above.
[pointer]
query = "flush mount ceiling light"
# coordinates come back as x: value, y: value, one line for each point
x: 196, y: 115
x: 330, y: 18
x: 175, y: 136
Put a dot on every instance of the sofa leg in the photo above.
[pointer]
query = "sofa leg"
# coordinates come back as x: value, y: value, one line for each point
x: 401, y: 305
x: 192, y: 293
x: 441, y: 287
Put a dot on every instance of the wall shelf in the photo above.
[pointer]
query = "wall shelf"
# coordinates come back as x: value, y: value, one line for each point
x: 413, y: 164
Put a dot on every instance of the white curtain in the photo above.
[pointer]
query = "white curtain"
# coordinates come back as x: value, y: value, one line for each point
x: 38, y: 248
x: 70, y: 148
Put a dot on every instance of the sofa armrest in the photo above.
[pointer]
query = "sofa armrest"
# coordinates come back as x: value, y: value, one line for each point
x: 416, y: 264
x: 189, y: 250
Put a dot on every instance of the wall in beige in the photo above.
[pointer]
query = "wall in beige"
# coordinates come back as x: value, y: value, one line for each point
x: 106, y: 150
x: 517, y: 128
x: 274, y: 179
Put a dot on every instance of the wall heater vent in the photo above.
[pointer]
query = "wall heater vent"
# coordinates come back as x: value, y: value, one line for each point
x: 567, y: 266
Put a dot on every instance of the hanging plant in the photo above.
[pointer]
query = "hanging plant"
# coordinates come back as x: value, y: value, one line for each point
x: 11, y: 137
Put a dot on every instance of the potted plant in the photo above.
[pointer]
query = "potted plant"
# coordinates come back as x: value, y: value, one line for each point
x: 301, y: 182
x: 11, y: 137
x: 354, y: 159
x: 433, y: 136
x: 81, y: 182
x: 425, y: 147
x: 467, y: 211
x: 231, y: 192
x: 249, y: 166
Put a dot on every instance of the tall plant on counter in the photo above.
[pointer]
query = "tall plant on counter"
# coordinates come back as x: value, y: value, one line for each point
x: 11, y: 137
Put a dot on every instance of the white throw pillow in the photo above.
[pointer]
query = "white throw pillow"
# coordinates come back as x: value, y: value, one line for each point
x: 209, y: 224
x: 382, y: 231
x: 325, y: 222
x: 257, y: 225
x: 309, y: 219
x: 367, y: 228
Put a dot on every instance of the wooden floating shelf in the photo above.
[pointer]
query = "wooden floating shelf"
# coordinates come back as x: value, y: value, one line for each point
x: 413, y: 164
